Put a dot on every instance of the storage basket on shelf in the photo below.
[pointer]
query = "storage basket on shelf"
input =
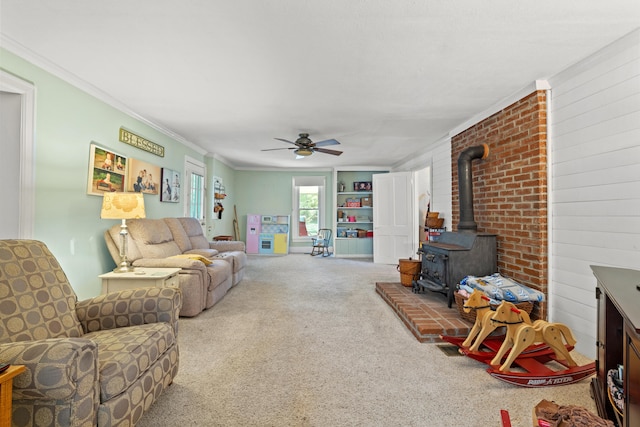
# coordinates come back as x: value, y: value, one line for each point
x: 471, y: 315
x: 432, y: 220
x: 409, y: 270
x: 435, y: 222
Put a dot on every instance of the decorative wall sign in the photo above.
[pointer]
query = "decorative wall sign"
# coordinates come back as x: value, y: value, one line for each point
x: 107, y: 171
x: 143, y: 177
x: 218, y: 196
x: 170, y: 186
x: 140, y: 142
x: 219, y: 192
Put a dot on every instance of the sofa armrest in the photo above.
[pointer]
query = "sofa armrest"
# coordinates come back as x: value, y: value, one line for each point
x: 56, y: 369
x: 130, y: 307
x: 227, y: 245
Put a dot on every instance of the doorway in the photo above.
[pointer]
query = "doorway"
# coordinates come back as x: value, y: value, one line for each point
x: 195, y: 174
x: 17, y: 110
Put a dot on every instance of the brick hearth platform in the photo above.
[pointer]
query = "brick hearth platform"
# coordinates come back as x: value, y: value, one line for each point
x: 426, y: 315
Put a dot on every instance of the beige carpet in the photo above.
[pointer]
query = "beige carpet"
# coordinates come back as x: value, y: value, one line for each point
x: 306, y: 341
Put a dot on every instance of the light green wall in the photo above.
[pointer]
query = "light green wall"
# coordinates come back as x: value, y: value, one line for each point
x: 270, y: 193
x: 67, y: 219
x: 223, y: 226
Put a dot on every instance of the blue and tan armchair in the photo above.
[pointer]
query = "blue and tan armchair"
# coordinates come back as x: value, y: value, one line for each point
x: 97, y: 362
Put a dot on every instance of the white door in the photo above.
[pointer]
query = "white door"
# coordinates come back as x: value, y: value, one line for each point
x: 195, y: 190
x: 393, y: 236
x: 17, y: 109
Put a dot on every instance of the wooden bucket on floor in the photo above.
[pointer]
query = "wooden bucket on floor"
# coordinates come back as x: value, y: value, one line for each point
x: 409, y: 270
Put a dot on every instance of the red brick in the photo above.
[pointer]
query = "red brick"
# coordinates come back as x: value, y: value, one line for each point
x: 510, y: 194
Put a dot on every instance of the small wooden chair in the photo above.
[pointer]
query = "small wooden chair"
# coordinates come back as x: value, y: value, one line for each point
x: 321, y: 242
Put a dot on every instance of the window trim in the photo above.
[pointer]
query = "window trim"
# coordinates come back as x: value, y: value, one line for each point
x: 304, y: 181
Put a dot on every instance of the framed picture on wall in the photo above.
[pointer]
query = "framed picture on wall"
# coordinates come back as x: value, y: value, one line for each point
x: 170, y: 186
x: 107, y: 171
x: 362, y: 186
x: 143, y: 177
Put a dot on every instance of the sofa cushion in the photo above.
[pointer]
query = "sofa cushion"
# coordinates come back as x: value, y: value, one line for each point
x: 196, y: 257
x: 180, y: 236
x: 154, y: 238
x: 228, y: 245
x: 237, y: 259
x: 124, y: 354
x: 209, y: 253
x: 193, y: 229
x: 36, y: 300
x: 150, y: 231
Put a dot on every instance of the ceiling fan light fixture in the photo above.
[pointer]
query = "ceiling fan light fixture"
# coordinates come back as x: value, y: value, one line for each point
x: 305, y: 147
x: 303, y: 151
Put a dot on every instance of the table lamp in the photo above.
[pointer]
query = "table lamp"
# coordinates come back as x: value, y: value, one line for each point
x: 123, y: 206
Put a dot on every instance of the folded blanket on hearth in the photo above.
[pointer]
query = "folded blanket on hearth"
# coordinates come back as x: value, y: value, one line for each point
x: 502, y: 288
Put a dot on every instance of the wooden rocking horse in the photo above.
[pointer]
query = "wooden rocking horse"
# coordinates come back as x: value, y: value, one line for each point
x: 521, y: 333
x: 483, y: 326
x: 478, y: 344
x: 538, y: 363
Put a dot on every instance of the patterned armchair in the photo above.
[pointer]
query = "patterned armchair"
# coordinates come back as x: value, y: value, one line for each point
x: 101, y: 361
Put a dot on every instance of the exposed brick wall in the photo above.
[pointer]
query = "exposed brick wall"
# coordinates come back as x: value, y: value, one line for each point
x: 510, y: 188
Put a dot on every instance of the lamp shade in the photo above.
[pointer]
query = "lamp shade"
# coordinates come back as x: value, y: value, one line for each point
x: 122, y: 206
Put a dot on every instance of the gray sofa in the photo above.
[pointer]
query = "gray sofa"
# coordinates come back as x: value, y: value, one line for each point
x: 98, y: 362
x: 164, y: 243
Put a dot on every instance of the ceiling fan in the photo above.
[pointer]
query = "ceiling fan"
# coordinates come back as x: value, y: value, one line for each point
x: 305, y: 147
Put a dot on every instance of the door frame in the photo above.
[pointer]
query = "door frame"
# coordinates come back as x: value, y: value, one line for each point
x: 27, y: 91
x: 192, y: 165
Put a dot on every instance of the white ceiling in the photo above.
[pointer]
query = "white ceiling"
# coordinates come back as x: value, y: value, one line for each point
x: 386, y: 78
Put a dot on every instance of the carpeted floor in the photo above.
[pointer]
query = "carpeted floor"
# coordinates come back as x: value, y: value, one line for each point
x: 307, y: 341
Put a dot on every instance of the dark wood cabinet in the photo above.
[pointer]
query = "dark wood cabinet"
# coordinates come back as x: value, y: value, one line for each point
x: 618, y: 342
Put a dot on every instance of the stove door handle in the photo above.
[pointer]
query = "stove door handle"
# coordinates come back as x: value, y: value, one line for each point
x: 432, y: 257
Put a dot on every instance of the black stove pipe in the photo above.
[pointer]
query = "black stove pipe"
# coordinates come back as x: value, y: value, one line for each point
x: 465, y: 186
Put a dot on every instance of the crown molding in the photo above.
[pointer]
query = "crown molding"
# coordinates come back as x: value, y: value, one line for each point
x: 279, y: 169
x: 221, y: 159
x: 28, y: 55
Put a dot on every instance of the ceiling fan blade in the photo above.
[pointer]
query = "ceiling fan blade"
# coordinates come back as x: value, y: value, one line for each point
x: 273, y: 149
x: 286, y: 140
x: 326, y: 142
x: 326, y: 151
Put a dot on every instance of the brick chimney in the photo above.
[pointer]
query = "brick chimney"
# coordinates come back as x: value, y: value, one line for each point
x: 510, y: 188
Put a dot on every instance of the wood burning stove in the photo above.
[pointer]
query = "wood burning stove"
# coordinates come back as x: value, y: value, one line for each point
x: 454, y: 256
x: 463, y: 253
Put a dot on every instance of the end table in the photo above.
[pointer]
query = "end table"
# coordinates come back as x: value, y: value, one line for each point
x: 6, y: 386
x: 140, y: 278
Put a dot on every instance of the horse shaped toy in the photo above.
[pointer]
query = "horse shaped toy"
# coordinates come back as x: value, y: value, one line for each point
x: 483, y: 326
x: 533, y: 361
x: 521, y: 333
